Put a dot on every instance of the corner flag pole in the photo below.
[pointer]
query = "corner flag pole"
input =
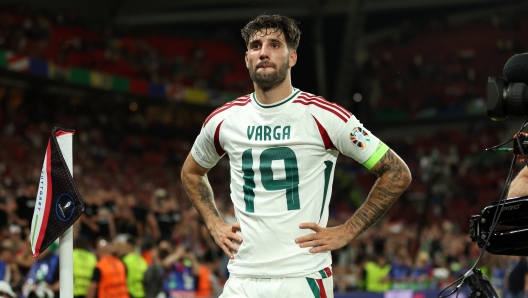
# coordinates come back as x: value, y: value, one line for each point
x: 66, y: 240
x: 59, y: 205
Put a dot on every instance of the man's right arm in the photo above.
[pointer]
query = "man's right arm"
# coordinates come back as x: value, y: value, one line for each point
x: 519, y: 185
x: 194, y: 178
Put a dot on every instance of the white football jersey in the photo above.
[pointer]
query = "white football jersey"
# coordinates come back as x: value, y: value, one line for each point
x: 282, y: 158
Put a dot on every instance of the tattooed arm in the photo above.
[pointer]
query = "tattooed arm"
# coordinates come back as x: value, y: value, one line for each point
x: 199, y: 191
x: 393, y: 179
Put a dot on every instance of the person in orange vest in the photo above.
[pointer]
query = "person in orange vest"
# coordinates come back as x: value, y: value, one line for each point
x: 109, y: 276
x: 208, y: 283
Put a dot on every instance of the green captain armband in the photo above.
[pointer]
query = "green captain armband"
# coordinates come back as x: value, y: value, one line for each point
x: 376, y: 156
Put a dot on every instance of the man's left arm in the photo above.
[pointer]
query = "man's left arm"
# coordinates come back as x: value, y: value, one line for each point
x: 393, y: 178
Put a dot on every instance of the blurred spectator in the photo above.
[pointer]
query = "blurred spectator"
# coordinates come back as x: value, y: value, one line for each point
x: 377, y: 278
x: 89, y: 226
x: 208, y: 283
x: 421, y: 272
x: 517, y: 276
x: 109, y: 275
x: 401, y: 76
x: 166, y: 212
x: 135, y: 265
x: 25, y: 204
x: 155, y: 274
x: 400, y: 273
x: 347, y: 273
x: 5, y: 272
x: 43, y: 276
x: 83, y: 267
x: 182, y: 269
x: 144, y: 222
x: 5, y: 211
x: 103, y: 215
x: 5, y: 290
x: 125, y: 222
x: 24, y: 256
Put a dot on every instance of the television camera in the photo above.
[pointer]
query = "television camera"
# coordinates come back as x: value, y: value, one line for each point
x: 502, y: 227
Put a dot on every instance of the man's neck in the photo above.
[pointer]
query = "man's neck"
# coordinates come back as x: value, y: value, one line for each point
x: 274, y: 95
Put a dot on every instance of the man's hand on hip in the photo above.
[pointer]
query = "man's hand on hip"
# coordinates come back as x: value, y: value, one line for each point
x: 224, y: 235
x: 324, y: 239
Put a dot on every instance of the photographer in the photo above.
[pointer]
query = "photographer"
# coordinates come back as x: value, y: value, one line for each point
x: 519, y: 185
x: 181, y: 270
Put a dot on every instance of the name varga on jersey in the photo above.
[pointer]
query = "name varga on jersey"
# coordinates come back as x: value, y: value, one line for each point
x: 267, y: 133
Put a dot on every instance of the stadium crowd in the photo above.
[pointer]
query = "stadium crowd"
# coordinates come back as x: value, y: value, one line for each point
x: 128, y: 176
x: 63, y: 40
x: 127, y: 165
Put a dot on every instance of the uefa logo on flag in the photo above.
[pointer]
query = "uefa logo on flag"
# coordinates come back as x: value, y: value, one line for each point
x: 65, y: 207
x: 359, y: 137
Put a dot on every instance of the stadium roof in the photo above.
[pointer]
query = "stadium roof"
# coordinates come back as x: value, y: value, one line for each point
x: 152, y: 12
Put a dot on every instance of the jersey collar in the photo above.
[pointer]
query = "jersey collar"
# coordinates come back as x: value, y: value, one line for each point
x: 273, y: 105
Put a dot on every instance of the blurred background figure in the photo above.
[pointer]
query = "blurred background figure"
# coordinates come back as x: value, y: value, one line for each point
x: 166, y: 212
x: 155, y: 274
x: 517, y: 277
x: 208, y: 284
x: 137, y: 91
x: 422, y: 270
x: 181, y: 270
x: 377, y: 277
x: 42, y: 280
x: 84, y: 263
x: 109, y: 277
x: 6, y: 291
x: 25, y: 203
x: 135, y: 265
x: 400, y: 273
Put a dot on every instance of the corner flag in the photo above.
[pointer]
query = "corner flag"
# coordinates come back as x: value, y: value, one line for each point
x: 59, y: 203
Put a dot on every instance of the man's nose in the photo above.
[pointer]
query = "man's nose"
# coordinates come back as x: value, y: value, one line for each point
x: 264, y: 53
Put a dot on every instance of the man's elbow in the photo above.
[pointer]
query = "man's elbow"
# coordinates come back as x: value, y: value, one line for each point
x: 183, y: 174
x: 406, y: 178
x: 402, y: 177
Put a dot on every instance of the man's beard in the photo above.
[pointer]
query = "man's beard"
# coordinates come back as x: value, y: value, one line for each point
x: 268, y: 81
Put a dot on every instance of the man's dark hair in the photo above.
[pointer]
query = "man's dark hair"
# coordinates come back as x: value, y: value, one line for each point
x: 274, y: 23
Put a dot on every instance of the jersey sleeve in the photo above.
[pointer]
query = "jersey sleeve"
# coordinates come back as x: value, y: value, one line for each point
x: 204, y: 150
x: 352, y: 139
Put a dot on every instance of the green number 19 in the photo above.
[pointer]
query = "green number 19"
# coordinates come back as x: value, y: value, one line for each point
x: 290, y: 183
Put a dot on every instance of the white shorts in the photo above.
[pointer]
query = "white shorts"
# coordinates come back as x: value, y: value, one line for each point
x: 303, y: 287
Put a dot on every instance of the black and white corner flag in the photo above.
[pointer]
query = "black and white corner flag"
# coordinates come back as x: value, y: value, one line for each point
x: 59, y: 203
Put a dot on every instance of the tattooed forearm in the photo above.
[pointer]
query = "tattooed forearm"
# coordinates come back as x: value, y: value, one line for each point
x: 200, y: 194
x: 386, y: 194
x: 206, y: 198
x: 393, y: 179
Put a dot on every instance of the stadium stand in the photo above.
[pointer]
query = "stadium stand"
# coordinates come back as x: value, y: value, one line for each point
x: 127, y: 160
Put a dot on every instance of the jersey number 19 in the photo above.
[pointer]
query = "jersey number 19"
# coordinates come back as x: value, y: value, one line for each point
x: 290, y: 183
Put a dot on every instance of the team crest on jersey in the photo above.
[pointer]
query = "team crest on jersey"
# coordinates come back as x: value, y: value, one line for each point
x: 359, y: 137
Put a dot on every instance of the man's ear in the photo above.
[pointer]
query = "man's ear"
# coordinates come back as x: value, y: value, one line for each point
x: 247, y: 60
x: 292, y: 58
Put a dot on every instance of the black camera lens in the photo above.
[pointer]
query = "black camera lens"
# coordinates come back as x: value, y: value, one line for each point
x: 506, y: 99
